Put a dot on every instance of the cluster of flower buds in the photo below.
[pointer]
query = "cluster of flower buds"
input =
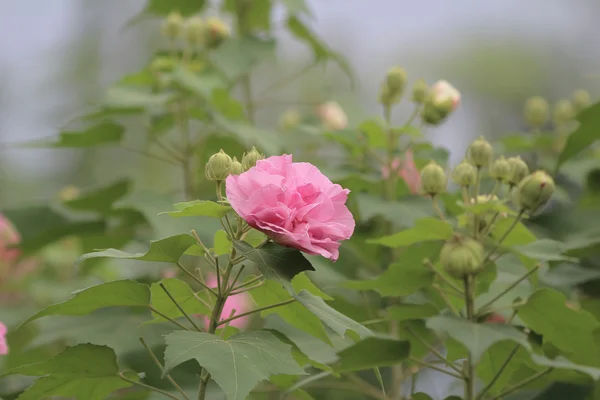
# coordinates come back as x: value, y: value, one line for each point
x: 393, y: 86
x: 196, y: 31
x: 538, y: 112
x: 221, y: 165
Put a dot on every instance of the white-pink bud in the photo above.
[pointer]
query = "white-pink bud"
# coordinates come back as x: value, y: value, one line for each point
x: 442, y: 91
x: 332, y: 116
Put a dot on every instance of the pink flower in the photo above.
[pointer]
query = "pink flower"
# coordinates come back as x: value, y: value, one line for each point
x: 443, y: 91
x: 169, y: 273
x: 332, y: 116
x: 294, y: 204
x: 3, y: 344
x: 239, y: 302
x: 407, y: 170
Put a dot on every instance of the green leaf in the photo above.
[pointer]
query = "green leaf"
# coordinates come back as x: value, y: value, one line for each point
x: 403, y: 312
x: 202, y: 84
x: 405, y: 276
x: 222, y: 244
x: 100, y: 200
x: 425, y: 229
x: 544, y: 250
x: 296, y: 6
x: 403, y: 213
x: 101, y: 134
x: 199, y: 208
x: 375, y: 133
x: 586, y: 134
x: 563, y: 363
x: 547, y: 314
x: 84, y: 372
x: 238, y: 364
x: 493, y: 359
x: 124, y: 293
x: 274, y: 261
x: 518, y: 236
x: 224, y: 103
x: 477, y: 338
x: 164, y: 7
x: 123, y: 98
x: 237, y: 56
x: 294, y: 313
x: 411, y: 331
x: 331, y: 317
x: 183, y: 295
x: 250, y: 135
x: 372, y: 352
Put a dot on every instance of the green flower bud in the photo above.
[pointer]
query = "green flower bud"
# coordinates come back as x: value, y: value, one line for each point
x: 249, y: 159
x: 218, y: 166
x: 580, y: 99
x: 194, y: 30
x: 433, y: 179
x: 236, y: 167
x: 535, y: 190
x: 215, y: 32
x: 500, y: 169
x: 419, y: 91
x: 480, y: 152
x: 562, y: 112
x: 518, y: 170
x: 536, y: 111
x: 462, y: 256
x: 385, y: 96
x: 172, y: 25
x: 395, y: 80
x: 464, y: 174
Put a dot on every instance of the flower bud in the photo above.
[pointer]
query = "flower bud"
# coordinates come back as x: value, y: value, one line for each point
x: 518, y: 170
x: 464, y: 174
x: 442, y: 99
x: 562, y: 112
x: 395, y: 81
x: 194, y: 30
x: 433, y: 179
x: 500, y: 169
x: 289, y: 120
x: 236, y: 167
x: 172, y: 25
x: 580, y: 99
x: 462, y: 256
x: 332, y: 116
x: 536, y: 111
x: 535, y: 190
x: 215, y: 31
x: 480, y: 152
x: 419, y: 91
x: 249, y: 159
x: 218, y: 166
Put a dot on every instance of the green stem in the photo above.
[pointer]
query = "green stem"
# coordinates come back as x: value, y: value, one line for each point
x: 171, y: 320
x: 471, y: 362
x: 435, y: 351
x: 499, y: 373
x: 181, y: 310
x: 522, y: 383
x: 196, y: 279
x: 250, y: 282
x: 504, y: 236
x: 443, y: 278
x: 256, y: 310
x: 161, y: 368
x: 434, y: 367
x: 140, y: 384
x: 436, y: 207
x: 475, y: 200
x: 508, y: 289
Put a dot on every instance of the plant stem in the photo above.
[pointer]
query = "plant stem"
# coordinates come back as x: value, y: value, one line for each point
x: 181, y: 310
x: 499, y: 373
x: 161, y: 368
x: 443, y: 278
x: 525, y: 382
x: 508, y: 289
x: 186, y: 163
x: 256, y: 310
x: 434, y: 367
x: 475, y: 195
x: 140, y: 384
x: 435, y: 351
x: 504, y: 236
x: 171, y: 320
x: 196, y: 279
x: 470, y: 305
x: 436, y: 207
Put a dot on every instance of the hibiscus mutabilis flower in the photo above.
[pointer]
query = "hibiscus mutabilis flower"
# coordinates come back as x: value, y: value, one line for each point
x: 294, y: 204
x: 3, y: 344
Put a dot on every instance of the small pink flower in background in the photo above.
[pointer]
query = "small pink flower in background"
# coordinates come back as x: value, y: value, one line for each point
x: 443, y: 91
x: 407, y: 170
x: 294, y: 204
x: 239, y: 302
x: 3, y: 344
x: 169, y: 273
x: 8, y: 237
x: 332, y: 116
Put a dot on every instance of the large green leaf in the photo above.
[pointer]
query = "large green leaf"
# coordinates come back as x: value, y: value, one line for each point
x: 586, y: 134
x: 338, y: 322
x: 164, y: 7
x: 183, y: 295
x: 125, y: 293
x: 97, y: 135
x: 477, y: 338
x: 407, y: 311
x: 296, y: 6
x: 135, y: 99
x: 546, y: 313
x: 199, y: 208
x: 202, y: 84
x: 405, y: 276
x: 494, y: 358
x: 375, y: 133
x: 100, y: 200
x: 85, y: 371
x: 425, y: 229
x: 274, y: 261
x: 372, y: 352
x: 167, y: 250
x: 403, y: 213
x: 294, y: 313
x: 544, y: 250
x: 237, y: 56
x: 251, y: 135
x: 236, y: 364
